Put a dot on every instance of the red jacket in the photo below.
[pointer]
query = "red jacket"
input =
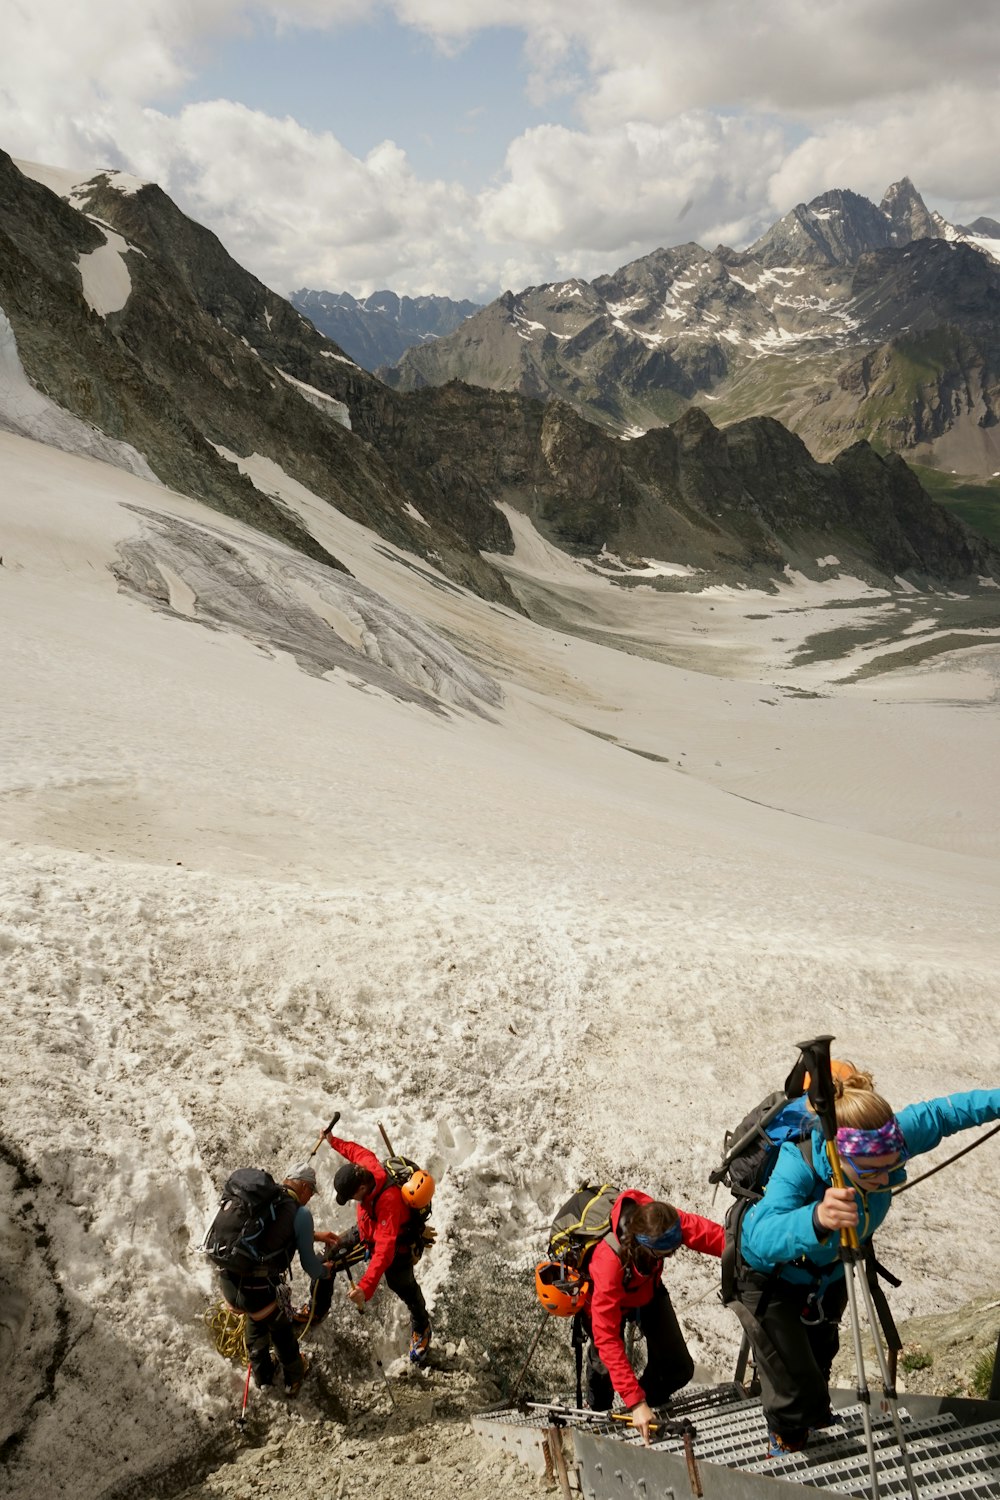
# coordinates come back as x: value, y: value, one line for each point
x: 382, y: 1214
x: 610, y: 1294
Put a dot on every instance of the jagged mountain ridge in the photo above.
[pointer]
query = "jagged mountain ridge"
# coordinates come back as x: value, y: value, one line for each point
x: 378, y: 329
x: 200, y: 357
x: 777, y: 329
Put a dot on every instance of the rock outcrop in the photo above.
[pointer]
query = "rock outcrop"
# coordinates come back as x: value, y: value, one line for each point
x: 780, y: 329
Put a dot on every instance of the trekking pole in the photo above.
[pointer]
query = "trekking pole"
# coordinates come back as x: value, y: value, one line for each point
x: 377, y: 1359
x: 325, y: 1134
x: 242, y: 1418
x: 527, y: 1358
x: 816, y: 1055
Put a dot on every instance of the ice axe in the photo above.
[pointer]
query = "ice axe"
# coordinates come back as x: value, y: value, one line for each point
x: 377, y: 1359
x: 325, y: 1134
x: 815, y: 1058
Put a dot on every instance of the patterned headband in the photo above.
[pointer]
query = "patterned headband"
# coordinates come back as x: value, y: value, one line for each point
x: 882, y: 1142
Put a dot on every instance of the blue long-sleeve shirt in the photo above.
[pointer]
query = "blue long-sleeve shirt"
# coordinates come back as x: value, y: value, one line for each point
x: 311, y: 1263
x: 780, y: 1232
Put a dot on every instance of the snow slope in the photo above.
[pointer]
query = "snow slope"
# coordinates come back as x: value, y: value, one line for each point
x: 277, y: 842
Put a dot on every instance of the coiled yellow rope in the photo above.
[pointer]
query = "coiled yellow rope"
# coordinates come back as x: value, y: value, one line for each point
x: 228, y: 1328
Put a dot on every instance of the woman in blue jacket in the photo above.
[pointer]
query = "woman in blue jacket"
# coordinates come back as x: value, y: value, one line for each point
x: 789, y: 1278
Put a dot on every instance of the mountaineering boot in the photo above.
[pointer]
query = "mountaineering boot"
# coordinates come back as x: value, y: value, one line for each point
x: 292, y: 1387
x: 780, y: 1447
x: 419, y: 1345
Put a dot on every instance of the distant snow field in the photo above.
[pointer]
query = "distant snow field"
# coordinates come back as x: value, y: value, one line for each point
x: 278, y: 841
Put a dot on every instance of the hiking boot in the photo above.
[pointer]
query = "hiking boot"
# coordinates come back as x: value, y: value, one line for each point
x: 781, y: 1447
x: 292, y: 1387
x: 419, y: 1345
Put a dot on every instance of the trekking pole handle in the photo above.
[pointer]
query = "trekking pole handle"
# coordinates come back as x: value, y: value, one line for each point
x: 325, y: 1133
x: 816, y: 1055
x: 388, y: 1143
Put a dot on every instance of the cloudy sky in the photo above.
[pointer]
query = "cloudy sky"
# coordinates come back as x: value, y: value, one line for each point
x: 465, y: 146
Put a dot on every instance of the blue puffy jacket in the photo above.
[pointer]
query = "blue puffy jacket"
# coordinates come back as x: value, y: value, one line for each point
x: 778, y: 1232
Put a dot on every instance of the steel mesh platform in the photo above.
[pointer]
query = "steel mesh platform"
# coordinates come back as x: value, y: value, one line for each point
x: 953, y: 1447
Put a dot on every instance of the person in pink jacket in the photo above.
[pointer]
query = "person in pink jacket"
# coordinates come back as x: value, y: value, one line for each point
x: 626, y: 1272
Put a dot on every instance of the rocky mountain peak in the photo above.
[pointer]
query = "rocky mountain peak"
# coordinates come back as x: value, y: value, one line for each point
x: 834, y: 229
x: 989, y: 228
x: 908, y: 213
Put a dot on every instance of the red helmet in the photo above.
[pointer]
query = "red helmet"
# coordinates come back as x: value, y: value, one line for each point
x: 561, y: 1290
x: 419, y: 1191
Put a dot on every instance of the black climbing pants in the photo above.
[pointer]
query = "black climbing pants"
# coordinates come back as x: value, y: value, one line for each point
x: 400, y: 1279
x: 250, y: 1295
x: 794, y: 1349
x: 669, y: 1365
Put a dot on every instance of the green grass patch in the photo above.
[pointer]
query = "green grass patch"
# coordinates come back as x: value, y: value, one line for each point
x: 982, y: 1374
x: 974, y: 501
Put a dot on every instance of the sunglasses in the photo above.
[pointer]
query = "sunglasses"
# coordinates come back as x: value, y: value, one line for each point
x: 884, y: 1170
x: 665, y: 1244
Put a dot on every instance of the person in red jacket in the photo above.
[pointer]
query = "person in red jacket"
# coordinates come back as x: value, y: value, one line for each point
x: 387, y: 1229
x: 626, y: 1271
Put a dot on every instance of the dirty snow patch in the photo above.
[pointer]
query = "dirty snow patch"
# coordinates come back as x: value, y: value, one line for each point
x: 329, y: 405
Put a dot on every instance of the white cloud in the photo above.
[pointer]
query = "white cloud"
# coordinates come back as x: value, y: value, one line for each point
x: 938, y: 140
x: 695, y: 122
x: 631, y: 185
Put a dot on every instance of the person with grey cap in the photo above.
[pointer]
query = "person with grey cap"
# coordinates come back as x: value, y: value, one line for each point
x: 253, y: 1289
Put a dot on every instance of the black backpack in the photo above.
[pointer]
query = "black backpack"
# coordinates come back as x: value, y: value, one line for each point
x: 253, y: 1233
x: 750, y: 1151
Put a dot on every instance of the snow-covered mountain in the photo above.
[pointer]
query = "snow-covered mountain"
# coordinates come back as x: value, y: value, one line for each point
x: 136, y: 320
x: 844, y: 320
x: 329, y: 782
x: 378, y: 329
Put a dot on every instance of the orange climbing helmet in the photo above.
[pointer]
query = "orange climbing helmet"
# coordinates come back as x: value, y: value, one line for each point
x: 560, y: 1289
x: 839, y: 1068
x: 418, y: 1192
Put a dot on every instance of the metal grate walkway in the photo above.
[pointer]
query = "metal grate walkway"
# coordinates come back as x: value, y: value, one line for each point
x: 953, y: 1445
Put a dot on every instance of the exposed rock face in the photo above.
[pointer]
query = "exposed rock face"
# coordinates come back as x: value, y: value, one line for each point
x: 908, y: 214
x: 784, y: 329
x: 200, y: 356
x: 833, y: 230
x: 377, y: 330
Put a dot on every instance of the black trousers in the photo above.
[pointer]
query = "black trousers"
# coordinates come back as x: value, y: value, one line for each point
x: 669, y: 1365
x: 794, y: 1356
x: 399, y: 1278
x: 250, y: 1295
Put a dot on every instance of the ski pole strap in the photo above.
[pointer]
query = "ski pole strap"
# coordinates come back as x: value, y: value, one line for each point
x: 873, y: 1270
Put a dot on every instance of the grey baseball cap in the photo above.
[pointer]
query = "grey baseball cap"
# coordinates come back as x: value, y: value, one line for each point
x: 304, y: 1173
